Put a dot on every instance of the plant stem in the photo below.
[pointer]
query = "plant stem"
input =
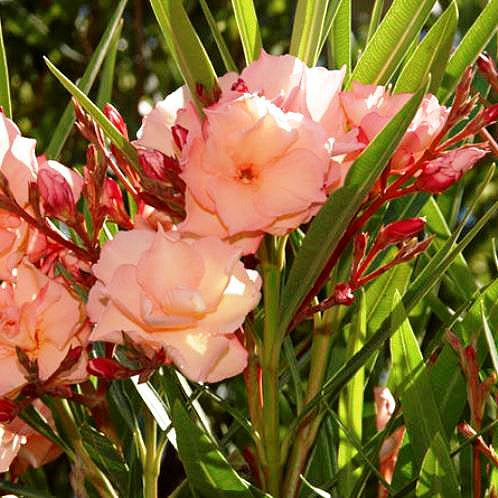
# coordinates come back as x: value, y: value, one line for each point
x: 152, y: 461
x: 272, y: 344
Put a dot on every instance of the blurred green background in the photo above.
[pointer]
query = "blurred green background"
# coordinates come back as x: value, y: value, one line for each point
x: 67, y: 31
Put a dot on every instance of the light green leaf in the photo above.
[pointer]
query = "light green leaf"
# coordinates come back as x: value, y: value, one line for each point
x: 185, y: 46
x: 410, y: 380
x: 389, y: 44
x: 375, y: 18
x: 327, y: 228
x: 340, y: 37
x: 438, y: 477
x: 107, y: 127
x: 218, y: 38
x: 247, y: 23
x: 474, y: 41
x: 65, y: 124
x: 307, y: 30
x: 206, y: 467
x: 104, y: 94
x: 490, y: 340
x: 351, y: 401
x: 431, y: 55
x: 5, y: 102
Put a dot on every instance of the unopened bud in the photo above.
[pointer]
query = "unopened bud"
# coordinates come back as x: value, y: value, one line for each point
x: 442, y: 172
x: 157, y: 165
x: 56, y: 194
x: 113, y: 201
x: 488, y: 68
x: 116, y: 119
x: 8, y: 410
x: 490, y: 115
x: 399, y: 231
x: 343, y: 294
x: 106, y: 368
x: 179, y: 135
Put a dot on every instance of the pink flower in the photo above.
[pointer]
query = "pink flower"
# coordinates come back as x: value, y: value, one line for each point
x: 42, y: 318
x: 17, y: 159
x: 448, y: 168
x: 14, y: 236
x: 369, y: 108
x: 255, y: 169
x: 187, y: 296
x: 20, y: 441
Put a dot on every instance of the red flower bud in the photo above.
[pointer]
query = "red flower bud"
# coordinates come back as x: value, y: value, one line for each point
x: 56, y: 194
x: 8, y: 410
x: 490, y: 115
x: 399, y: 231
x: 114, y: 204
x: 343, y: 294
x: 179, y: 135
x: 116, y: 119
x: 157, y: 165
x: 106, y: 368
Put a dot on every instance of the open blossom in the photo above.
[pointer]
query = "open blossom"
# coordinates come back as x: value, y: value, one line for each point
x: 257, y: 170
x: 368, y: 108
x: 20, y: 443
x: 187, y: 296
x: 43, y: 319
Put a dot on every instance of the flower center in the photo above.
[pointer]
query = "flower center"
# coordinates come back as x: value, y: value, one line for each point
x: 247, y: 173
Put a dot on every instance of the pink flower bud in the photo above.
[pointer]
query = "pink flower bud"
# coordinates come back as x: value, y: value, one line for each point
x: 116, y: 119
x: 448, y: 168
x: 157, y: 165
x: 114, y: 204
x: 399, y: 231
x: 179, y: 135
x: 8, y: 410
x: 343, y: 294
x: 56, y: 194
x: 106, y: 368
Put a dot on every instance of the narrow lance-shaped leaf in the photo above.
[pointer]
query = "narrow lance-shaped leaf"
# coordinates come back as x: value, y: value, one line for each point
x: 377, y: 8
x: 389, y: 44
x: 340, y: 36
x: 474, y: 41
x: 247, y: 24
x: 108, y: 128
x: 431, y: 55
x: 351, y: 401
x: 330, y: 223
x: 206, y: 467
x: 65, y: 124
x: 5, y: 102
x: 307, y: 30
x: 186, y: 47
x: 218, y: 38
x: 491, y: 341
x: 104, y: 94
x: 438, y: 477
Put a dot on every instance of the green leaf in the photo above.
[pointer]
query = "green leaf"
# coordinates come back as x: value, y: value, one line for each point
x: 218, y: 38
x: 388, y: 46
x: 307, y: 30
x: 340, y: 36
x: 375, y: 18
x: 107, y: 127
x: 327, y: 228
x: 65, y: 124
x: 438, y: 477
x: 474, y: 41
x: 5, y: 102
x: 105, y: 455
x: 490, y: 340
x: 351, y: 401
x: 104, y: 94
x: 247, y: 23
x: 185, y: 46
x: 431, y: 55
x: 206, y: 467
x: 23, y: 491
x: 410, y: 380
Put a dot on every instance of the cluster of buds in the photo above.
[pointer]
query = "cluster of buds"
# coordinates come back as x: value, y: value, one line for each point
x: 142, y: 363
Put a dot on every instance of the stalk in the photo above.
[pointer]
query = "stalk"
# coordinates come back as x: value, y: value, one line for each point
x: 152, y: 461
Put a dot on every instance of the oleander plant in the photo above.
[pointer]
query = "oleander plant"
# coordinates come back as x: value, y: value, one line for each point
x: 265, y: 290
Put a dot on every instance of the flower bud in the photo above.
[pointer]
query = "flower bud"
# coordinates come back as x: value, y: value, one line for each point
x: 487, y: 67
x: 343, y: 294
x: 56, y: 194
x: 106, y: 368
x: 399, y: 231
x: 116, y: 119
x: 8, y: 410
x: 440, y: 173
x: 490, y: 115
x: 179, y: 135
x: 112, y: 199
x: 157, y: 165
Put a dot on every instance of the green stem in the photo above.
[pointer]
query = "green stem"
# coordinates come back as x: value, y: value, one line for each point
x: 152, y: 461
x: 271, y: 265
x: 320, y: 349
